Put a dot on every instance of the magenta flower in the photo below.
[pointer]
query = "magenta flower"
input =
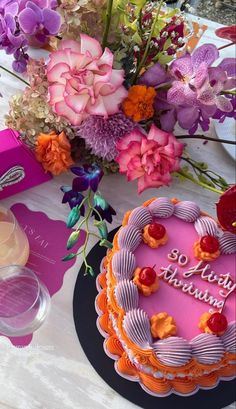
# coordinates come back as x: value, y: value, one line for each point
x: 196, y: 83
x: 38, y: 21
x: 82, y: 81
x: 149, y: 158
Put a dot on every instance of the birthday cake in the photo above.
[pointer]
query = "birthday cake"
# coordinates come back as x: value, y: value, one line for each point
x: 166, y: 300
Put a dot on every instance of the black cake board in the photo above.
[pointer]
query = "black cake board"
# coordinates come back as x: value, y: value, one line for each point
x: 91, y: 341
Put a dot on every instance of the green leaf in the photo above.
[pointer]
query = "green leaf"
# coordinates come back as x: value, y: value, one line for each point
x: 74, y: 237
x: 69, y: 257
x: 137, y: 39
x: 102, y: 228
x: 105, y: 243
x: 167, y: 44
x: 164, y: 58
x: 73, y: 217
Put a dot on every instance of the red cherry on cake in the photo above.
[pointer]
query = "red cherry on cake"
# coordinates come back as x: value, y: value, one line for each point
x: 156, y: 230
x: 217, y: 323
x: 209, y: 244
x: 147, y: 276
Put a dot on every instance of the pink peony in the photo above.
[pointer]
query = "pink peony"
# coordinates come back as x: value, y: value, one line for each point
x: 82, y: 81
x: 149, y: 158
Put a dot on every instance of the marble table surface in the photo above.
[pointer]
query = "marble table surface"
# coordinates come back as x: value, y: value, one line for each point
x: 54, y: 372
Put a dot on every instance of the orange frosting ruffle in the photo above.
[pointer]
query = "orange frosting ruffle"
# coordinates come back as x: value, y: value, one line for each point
x: 151, y: 241
x: 146, y: 290
x: 203, y: 255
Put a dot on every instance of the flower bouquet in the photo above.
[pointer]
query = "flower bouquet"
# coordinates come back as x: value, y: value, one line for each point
x: 119, y: 77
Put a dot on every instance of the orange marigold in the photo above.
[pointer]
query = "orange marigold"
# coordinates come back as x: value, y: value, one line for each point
x: 54, y: 152
x: 139, y: 103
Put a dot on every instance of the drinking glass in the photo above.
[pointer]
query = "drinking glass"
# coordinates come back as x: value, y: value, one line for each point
x: 14, y: 245
x: 24, y: 301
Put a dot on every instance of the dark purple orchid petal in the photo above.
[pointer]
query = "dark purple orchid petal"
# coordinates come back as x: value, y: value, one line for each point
x: 28, y: 21
x: 187, y: 116
x: 193, y: 129
x: 94, y: 182
x: 204, y: 124
x: 161, y: 102
x: 80, y: 184
x: 105, y: 214
x: 41, y: 37
x: 52, y: 21
x: 168, y: 120
x: 77, y: 170
x: 154, y: 76
x: 229, y: 66
x: 207, y: 53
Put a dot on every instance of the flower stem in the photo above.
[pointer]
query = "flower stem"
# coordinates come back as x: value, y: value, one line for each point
x: 225, y: 46
x: 140, y: 16
x: 14, y: 75
x: 197, y: 182
x: 231, y: 92
x: 206, y: 138
x: 211, y: 175
x: 107, y: 23
x: 143, y: 60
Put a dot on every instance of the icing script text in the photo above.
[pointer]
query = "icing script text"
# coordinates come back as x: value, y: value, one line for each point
x: 224, y: 281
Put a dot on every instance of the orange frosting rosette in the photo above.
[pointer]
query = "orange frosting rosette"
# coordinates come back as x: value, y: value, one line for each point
x: 151, y: 241
x: 203, y: 323
x: 204, y: 255
x: 162, y: 325
x: 146, y: 290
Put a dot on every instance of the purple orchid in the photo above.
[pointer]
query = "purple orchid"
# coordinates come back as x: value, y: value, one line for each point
x: 88, y: 176
x: 221, y: 116
x: 10, y: 38
x: 105, y: 210
x: 198, y: 86
x: 195, y: 89
x: 73, y: 198
x: 155, y: 76
x: 37, y: 21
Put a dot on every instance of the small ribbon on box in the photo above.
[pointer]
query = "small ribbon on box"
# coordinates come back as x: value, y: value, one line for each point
x: 12, y: 176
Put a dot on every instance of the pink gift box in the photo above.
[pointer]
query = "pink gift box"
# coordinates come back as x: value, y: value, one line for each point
x: 19, y: 170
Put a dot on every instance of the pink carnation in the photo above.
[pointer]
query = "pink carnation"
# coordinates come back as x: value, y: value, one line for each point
x: 82, y: 81
x: 149, y: 158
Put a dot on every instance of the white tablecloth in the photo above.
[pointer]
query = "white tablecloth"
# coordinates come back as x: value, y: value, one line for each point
x: 62, y: 378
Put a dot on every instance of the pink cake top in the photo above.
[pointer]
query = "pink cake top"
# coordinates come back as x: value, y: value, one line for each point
x: 188, y: 287
x: 184, y: 308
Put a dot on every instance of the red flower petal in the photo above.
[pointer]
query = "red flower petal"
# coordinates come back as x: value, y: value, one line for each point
x: 226, y: 209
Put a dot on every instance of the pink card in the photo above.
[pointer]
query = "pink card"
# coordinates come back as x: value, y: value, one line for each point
x: 47, y: 239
